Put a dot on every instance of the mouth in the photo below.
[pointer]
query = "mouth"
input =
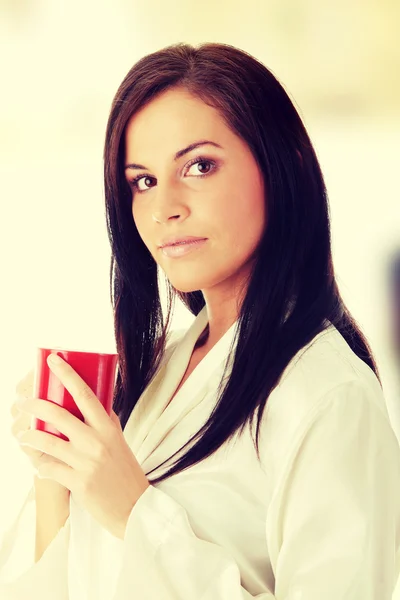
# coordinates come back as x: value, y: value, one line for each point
x: 174, y: 241
x: 185, y: 242
x: 182, y: 248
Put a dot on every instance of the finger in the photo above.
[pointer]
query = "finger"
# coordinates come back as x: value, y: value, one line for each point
x: 90, y: 406
x: 33, y: 454
x: 21, y: 423
x: 78, y: 433
x: 53, y: 446
x: 59, y: 472
x: 25, y: 386
x: 37, y: 457
x: 15, y: 408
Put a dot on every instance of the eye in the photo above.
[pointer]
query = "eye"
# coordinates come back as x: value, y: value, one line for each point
x: 134, y: 183
x: 201, y: 160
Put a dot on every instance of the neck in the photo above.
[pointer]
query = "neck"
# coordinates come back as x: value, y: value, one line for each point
x: 203, y: 337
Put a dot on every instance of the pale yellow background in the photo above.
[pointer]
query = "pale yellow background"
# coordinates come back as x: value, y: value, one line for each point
x: 61, y: 63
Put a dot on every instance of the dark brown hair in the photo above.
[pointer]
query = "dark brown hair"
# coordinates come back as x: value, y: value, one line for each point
x: 292, y: 294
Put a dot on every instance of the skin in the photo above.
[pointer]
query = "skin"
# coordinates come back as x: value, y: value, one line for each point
x: 225, y: 205
x: 96, y: 464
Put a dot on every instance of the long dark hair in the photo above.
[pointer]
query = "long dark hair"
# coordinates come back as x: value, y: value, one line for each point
x: 292, y: 294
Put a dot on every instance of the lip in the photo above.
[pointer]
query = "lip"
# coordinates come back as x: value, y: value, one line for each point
x: 179, y: 250
x: 178, y: 240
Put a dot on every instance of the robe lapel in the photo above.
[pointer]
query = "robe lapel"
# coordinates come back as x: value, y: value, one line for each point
x: 152, y: 421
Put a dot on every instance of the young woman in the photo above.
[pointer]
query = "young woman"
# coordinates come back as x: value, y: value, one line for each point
x: 174, y: 496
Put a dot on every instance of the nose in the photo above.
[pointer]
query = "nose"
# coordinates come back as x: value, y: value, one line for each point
x: 163, y: 219
x: 168, y: 206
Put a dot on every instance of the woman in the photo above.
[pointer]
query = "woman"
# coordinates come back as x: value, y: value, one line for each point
x: 187, y: 503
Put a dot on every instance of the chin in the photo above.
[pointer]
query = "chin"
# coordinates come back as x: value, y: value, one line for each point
x: 200, y: 281
x: 185, y: 288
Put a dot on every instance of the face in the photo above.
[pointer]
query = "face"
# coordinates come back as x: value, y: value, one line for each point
x: 219, y: 197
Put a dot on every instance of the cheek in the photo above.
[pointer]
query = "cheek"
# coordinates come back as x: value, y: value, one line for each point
x: 139, y: 217
x: 141, y: 222
x: 135, y: 213
x: 244, y: 221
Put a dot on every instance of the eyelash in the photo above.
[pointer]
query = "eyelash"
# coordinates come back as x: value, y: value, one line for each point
x: 133, y: 183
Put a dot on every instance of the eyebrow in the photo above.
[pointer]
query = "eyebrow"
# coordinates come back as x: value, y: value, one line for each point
x: 178, y: 154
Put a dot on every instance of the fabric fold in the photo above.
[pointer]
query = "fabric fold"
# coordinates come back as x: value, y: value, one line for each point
x: 317, y: 516
x: 351, y: 474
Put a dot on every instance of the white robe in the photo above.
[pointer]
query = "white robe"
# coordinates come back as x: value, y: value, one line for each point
x: 318, y: 518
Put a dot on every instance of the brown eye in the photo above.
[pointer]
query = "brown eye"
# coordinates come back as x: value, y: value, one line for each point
x: 202, y: 163
x: 134, y: 183
x: 200, y: 160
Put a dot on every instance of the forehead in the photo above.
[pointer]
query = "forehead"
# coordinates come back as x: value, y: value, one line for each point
x: 170, y: 118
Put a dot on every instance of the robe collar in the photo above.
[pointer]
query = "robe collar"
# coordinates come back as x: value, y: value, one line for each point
x: 149, y: 430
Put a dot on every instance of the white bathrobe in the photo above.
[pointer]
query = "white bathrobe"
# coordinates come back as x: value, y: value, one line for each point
x: 317, y: 519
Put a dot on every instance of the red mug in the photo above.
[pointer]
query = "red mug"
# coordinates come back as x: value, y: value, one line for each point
x: 95, y: 368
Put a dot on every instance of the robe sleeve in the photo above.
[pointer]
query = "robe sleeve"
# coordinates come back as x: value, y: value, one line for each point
x: 338, y: 518
x: 20, y: 576
x: 335, y: 532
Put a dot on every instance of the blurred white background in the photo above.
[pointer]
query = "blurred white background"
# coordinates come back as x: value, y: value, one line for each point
x: 61, y: 65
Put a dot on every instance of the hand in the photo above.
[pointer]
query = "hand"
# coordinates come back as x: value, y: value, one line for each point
x: 22, y: 422
x: 96, y: 464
